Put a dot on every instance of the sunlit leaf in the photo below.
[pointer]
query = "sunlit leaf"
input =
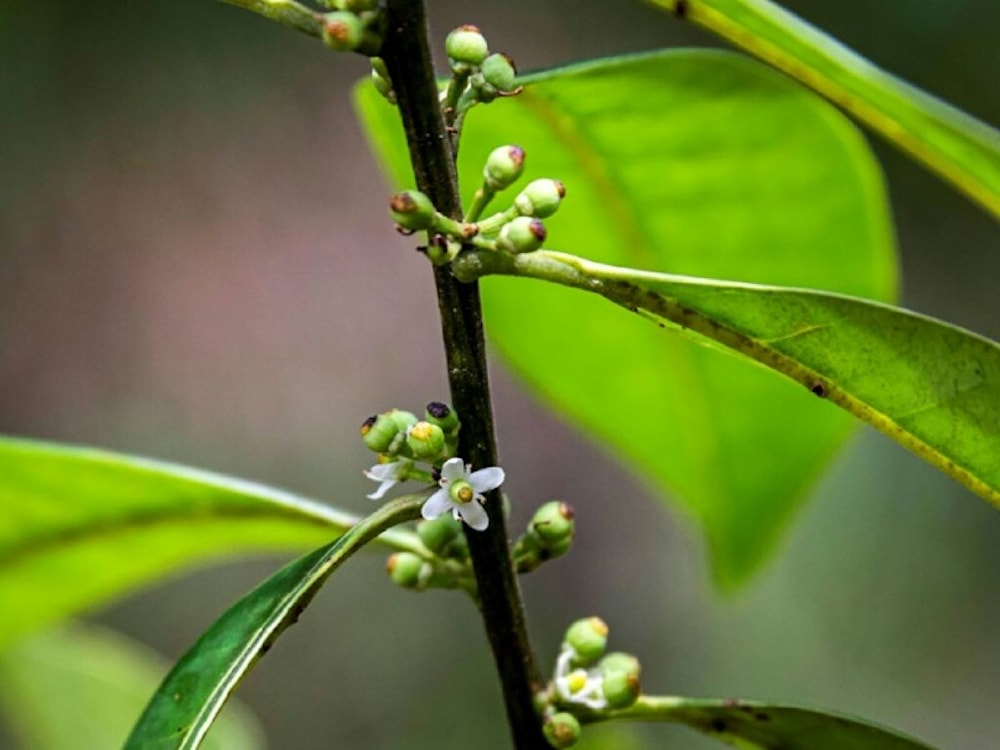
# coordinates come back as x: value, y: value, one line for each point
x: 694, y: 162
x: 84, y: 687
x: 191, y: 696
x: 961, y: 149
x: 750, y: 725
x: 933, y: 387
x: 80, y: 526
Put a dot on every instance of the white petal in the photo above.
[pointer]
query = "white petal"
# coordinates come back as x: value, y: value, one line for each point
x: 387, y: 485
x: 475, y: 515
x: 437, y: 504
x: 486, y: 479
x: 453, y: 469
x: 382, y: 472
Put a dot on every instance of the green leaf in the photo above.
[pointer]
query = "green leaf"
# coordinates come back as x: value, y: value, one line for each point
x: 83, y: 687
x: 79, y: 527
x: 194, y: 692
x: 749, y: 724
x: 703, y: 163
x: 932, y: 387
x: 959, y: 148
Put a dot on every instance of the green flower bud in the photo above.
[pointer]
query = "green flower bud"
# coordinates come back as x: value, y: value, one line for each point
x: 503, y: 167
x: 408, y: 570
x: 379, y: 432
x: 485, y: 92
x: 403, y: 419
x: 439, y: 533
x: 426, y: 440
x: 561, y: 729
x: 620, y: 679
x: 342, y: 31
x: 540, y: 198
x: 524, y: 234
x: 499, y: 71
x: 412, y: 210
x: 466, y: 46
x: 443, y: 416
x: 553, y: 523
x: 588, y: 638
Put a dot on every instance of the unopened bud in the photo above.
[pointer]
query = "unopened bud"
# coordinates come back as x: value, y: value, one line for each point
x: 499, y: 71
x: 403, y: 419
x: 561, y: 729
x: 525, y: 234
x: 426, y: 440
x: 342, y: 31
x: 412, y: 210
x: 443, y: 416
x: 620, y: 679
x: 408, y: 570
x: 466, y: 46
x: 379, y: 432
x: 439, y: 533
x: 553, y: 522
x: 540, y: 198
x: 503, y: 167
x: 588, y: 638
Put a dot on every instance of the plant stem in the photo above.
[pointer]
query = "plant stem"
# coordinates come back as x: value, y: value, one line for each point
x: 407, y: 56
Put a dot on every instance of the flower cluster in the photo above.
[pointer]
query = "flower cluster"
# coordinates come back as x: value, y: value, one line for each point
x: 403, y: 442
x: 585, y: 676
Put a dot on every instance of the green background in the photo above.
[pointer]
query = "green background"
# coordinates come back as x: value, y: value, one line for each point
x: 195, y: 264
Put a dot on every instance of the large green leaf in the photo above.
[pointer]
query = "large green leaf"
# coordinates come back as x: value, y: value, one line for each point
x: 696, y: 162
x: 933, y: 387
x: 80, y: 526
x: 191, y: 696
x: 961, y: 149
x: 84, y: 687
x: 750, y: 724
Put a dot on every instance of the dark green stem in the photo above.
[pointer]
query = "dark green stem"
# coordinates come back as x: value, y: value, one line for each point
x: 408, y: 60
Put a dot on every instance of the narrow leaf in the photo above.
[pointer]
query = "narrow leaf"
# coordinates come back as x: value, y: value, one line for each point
x: 961, y: 149
x: 933, y: 387
x: 750, y: 724
x: 84, y: 687
x: 191, y: 696
x: 80, y: 526
x: 703, y: 163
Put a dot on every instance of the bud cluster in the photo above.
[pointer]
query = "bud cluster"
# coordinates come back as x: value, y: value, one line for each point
x: 477, y: 74
x: 549, y: 535
x: 399, y: 434
x: 586, y: 676
x: 351, y: 24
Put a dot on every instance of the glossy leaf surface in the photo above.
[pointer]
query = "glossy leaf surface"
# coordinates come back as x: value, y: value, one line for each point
x: 191, y: 696
x: 961, y: 149
x: 80, y: 526
x: 763, y: 726
x: 84, y: 687
x: 933, y: 387
x: 695, y: 162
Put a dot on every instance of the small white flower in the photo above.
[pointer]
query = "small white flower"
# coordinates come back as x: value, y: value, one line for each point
x: 388, y: 475
x: 461, y: 493
x: 578, y: 685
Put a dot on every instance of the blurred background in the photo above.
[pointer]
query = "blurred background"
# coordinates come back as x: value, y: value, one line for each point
x: 195, y: 264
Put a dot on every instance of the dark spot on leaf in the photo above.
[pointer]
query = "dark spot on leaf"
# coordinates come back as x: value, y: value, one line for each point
x: 761, y: 716
x: 718, y: 725
x: 819, y: 389
x: 681, y: 9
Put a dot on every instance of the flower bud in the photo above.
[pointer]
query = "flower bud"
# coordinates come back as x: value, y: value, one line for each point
x: 561, y: 729
x: 443, y: 416
x: 426, y: 440
x: 553, y: 523
x: 524, y: 234
x: 503, y: 167
x: 403, y: 419
x: 499, y: 71
x: 412, y: 210
x: 588, y: 638
x: 408, y: 570
x: 439, y: 533
x: 485, y: 92
x: 342, y: 31
x: 466, y: 46
x: 378, y: 432
x: 540, y: 198
x: 620, y: 679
